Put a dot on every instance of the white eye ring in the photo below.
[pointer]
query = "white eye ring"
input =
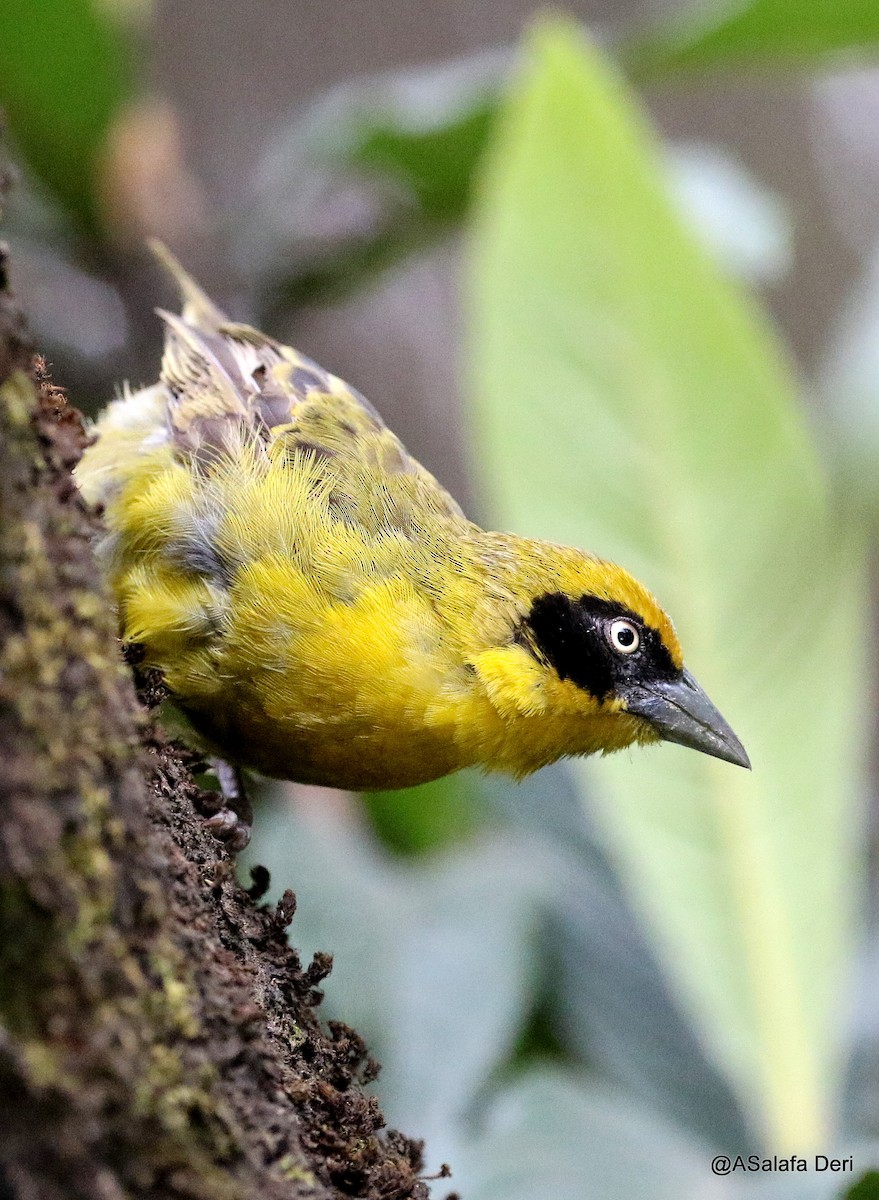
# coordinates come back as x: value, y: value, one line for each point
x: 624, y: 636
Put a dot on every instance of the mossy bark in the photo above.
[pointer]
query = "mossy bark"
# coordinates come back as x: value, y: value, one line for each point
x: 157, y: 1032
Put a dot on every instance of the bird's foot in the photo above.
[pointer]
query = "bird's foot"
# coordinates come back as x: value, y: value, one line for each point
x: 231, y: 824
x: 228, y: 828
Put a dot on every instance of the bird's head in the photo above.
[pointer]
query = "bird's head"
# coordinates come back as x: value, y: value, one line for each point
x: 594, y: 665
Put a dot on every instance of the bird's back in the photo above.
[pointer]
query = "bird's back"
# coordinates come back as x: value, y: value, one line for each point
x: 227, y: 391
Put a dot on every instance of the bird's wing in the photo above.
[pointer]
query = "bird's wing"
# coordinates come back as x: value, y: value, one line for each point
x: 229, y: 385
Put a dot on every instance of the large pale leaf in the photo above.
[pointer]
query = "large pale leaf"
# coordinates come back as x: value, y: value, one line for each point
x: 708, y: 33
x: 631, y: 401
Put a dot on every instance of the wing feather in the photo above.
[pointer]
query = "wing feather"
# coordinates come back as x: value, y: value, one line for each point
x: 226, y: 389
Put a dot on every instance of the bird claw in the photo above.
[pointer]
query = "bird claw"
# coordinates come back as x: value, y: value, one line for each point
x: 231, y: 824
x: 228, y: 828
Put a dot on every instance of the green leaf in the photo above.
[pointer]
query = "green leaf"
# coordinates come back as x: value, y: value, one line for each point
x: 437, y: 161
x: 419, y: 819
x: 757, y: 32
x: 377, y: 168
x: 866, y: 1188
x: 64, y: 73
x: 630, y: 400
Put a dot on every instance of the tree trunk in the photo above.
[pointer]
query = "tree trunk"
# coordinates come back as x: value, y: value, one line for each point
x: 157, y: 1033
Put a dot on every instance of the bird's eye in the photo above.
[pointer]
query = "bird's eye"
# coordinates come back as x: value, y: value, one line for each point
x: 624, y: 636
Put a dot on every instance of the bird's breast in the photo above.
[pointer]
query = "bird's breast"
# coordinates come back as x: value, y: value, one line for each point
x: 365, y: 692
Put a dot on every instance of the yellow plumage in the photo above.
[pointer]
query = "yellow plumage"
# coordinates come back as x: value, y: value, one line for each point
x: 319, y: 605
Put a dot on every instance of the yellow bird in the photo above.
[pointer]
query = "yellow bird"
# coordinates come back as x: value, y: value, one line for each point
x: 322, y: 610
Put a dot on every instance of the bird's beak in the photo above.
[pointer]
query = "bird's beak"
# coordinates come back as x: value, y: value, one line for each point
x: 680, y: 711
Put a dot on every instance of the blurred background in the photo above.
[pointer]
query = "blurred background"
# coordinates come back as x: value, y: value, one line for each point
x: 612, y: 275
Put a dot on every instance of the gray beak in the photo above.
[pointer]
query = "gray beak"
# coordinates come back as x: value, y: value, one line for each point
x: 680, y: 711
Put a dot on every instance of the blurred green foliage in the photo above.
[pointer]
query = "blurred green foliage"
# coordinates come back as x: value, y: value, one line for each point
x: 419, y: 819
x: 867, y: 1188
x: 669, y: 437
x: 65, y: 71
x: 437, y: 164
x: 369, y: 129
x: 767, y: 33
x: 407, y: 146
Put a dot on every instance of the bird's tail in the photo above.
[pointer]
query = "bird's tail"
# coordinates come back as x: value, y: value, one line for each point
x: 198, y: 308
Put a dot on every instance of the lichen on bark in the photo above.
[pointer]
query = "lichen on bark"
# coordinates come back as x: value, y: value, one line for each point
x: 157, y: 1032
